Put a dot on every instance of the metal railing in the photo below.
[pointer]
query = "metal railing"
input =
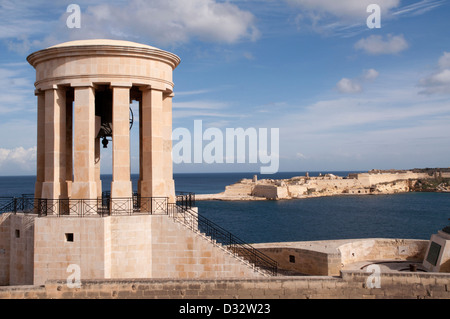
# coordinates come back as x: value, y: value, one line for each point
x: 232, y: 243
x: 25, y: 203
x: 185, y: 199
x: 104, y: 206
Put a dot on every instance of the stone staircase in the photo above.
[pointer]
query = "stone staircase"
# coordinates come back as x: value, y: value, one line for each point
x: 219, y: 237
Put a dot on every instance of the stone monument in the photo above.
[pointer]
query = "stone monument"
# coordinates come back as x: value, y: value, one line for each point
x: 437, y: 256
x: 84, y: 91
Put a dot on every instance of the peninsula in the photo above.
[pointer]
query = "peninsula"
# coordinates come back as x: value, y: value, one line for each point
x: 372, y: 182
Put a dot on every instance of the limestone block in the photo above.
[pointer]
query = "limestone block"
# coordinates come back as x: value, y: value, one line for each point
x: 437, y: 257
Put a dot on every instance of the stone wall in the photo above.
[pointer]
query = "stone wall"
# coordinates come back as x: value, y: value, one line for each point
x: 305, y: 261
x: 180, y: 253
x: 16, y: 249
x: 144, y: 246
x: 382, y: 249
x: 328, y: 258
x: 270, y: 191
x: 242, y: 188
x: 131, y: 246
x: 63, y: 241
x: 21, y: 249
x: 5, y: 244
x: 369, y: 179
x: 350, y: 285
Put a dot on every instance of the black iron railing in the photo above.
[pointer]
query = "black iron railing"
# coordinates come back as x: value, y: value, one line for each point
x: 104, y: 206
x: 180, y: 211
x: 232, y: 243
x: 26, y: 203
x: 185, y: 199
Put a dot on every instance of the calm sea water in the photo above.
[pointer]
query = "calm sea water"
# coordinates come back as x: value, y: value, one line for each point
x: 410, y: 215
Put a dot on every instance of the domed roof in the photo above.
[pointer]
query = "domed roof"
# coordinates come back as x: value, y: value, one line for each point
x: 102, y: 47
x: 103, y: 42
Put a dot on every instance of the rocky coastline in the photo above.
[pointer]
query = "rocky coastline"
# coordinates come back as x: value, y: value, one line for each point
x: 374, y: 182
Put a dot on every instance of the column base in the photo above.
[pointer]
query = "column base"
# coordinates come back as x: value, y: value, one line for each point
x: 121, y: 189
x: 38, y: 190
x: 84, y: 190
x: 99, y: 188
x: 170, y: 186
x: 51, y: 190
x: 157, y: 189
x: 69, y: 188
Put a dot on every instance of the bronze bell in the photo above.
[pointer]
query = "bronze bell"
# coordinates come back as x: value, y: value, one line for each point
x: 103, y: 110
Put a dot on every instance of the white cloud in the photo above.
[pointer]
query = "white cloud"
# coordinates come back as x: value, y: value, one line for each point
x: 17, y: 161
x: 346, y: 85
x: 338, y: 17
x: 349, y: 17
x: 16, y: 89
x: 344, y: 9
x: 25, y: 26
x: 439, y: 81
x: 199, y: 104
x: 418, y: 8
x: 202, y: 108
x: 171, y: 22
x: 194, y: 92
x: 376, y: 45
x: 370, y: 74
x: 444, y: 60
x: 300, y: 155
x: 388, y: 124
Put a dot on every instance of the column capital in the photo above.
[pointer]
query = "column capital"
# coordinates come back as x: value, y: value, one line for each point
x: 120, y: 85
x: 82, y: 84
x: 145, y: 88
x: 48, y: 87
x: 154, y: 88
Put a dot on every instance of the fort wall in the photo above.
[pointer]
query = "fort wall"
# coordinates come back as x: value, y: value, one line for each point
x: 349, y: 285
x: 144, y: 246
x: 16, y: 249
x: 373, y: 182
x: 383, y: 249
x: 330, y: 257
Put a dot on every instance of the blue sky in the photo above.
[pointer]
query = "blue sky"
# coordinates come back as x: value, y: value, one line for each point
x: 344, y: 96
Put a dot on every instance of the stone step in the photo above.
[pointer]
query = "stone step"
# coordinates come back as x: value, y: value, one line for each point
x: 216, y: 243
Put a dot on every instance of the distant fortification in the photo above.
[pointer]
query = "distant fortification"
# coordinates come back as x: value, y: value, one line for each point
x: 371, y: 182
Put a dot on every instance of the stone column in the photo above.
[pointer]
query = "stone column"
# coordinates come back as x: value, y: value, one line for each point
x: 69, y: 138
x: 121, y: 186
x: 40, y: 152
x: 151, y: 156
x: 54, y: 185
x: 84, y: 185
x: 97, y: 157
x: 167, y: 147
x: 140, y: 147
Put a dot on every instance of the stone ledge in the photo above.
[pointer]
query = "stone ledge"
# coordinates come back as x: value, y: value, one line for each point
x: 349, y: 286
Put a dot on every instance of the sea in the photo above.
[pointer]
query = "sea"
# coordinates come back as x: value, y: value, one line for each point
x: 405, y: 216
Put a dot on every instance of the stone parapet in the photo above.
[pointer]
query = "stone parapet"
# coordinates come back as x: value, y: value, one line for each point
x: 329, y: 257
x: 350, y: 285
